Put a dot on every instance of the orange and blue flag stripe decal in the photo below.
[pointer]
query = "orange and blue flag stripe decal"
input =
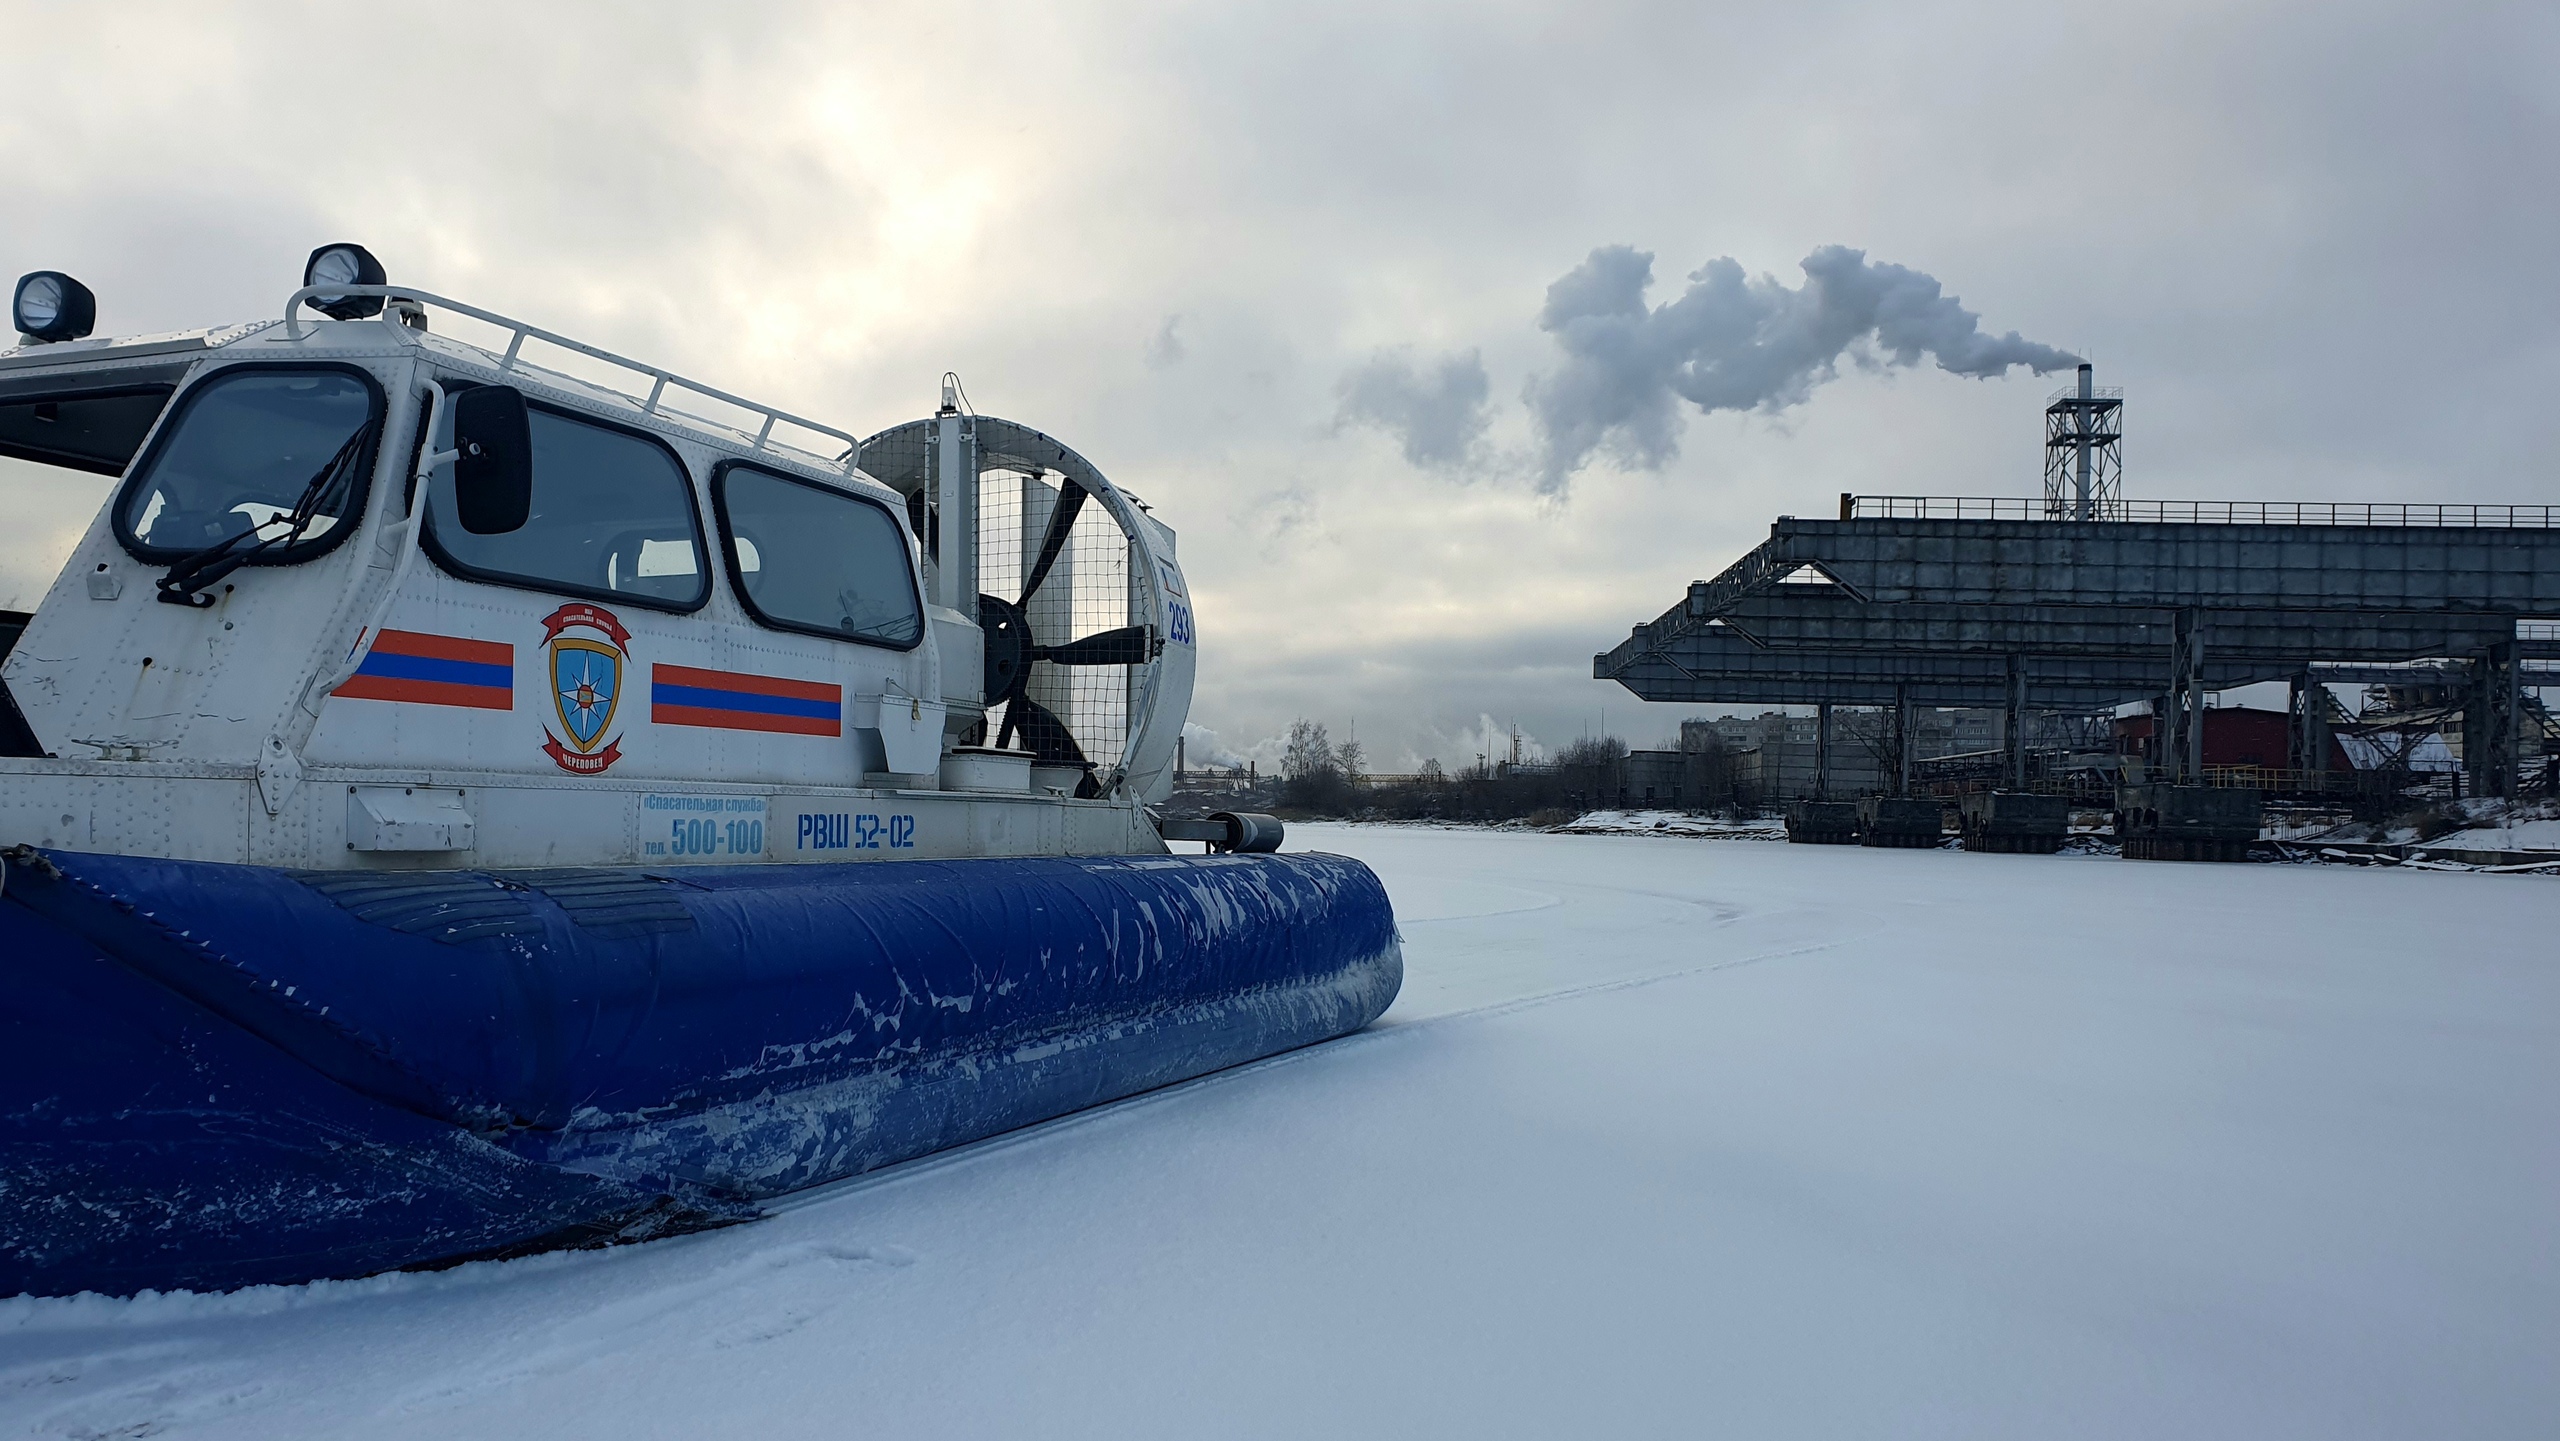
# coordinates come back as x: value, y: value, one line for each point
x: 682, y: 695
x: 408, y: 665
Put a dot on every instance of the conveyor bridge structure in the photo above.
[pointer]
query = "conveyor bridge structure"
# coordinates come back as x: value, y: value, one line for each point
x: 1911, y: 601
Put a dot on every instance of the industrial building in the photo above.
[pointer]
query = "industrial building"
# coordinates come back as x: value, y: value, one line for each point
x: 2056, y: 613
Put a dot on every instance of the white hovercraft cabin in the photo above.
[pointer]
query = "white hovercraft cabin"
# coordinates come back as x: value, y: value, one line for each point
x: 366, y: 596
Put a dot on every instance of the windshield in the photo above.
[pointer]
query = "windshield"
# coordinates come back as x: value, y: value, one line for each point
x: 247, y: 448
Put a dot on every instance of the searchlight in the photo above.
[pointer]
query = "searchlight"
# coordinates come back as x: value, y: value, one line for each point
x: 344, y: 264
x: 51, y: 306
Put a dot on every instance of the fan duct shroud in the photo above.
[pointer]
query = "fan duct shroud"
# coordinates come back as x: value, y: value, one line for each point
x: 1088, y: 657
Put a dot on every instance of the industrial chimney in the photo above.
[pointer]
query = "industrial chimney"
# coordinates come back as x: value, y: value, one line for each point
x: 2083, y: 454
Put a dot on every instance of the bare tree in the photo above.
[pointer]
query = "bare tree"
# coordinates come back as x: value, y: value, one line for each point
x: 1309, y: 754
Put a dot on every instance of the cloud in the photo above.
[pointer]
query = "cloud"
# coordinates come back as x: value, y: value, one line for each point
x: 1437, y: 412
x: 1166, y: 348
x: 793, y: 210
x: 1283, y: 518
x: 1732, y: 342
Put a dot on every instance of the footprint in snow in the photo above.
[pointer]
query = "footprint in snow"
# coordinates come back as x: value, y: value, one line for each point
x: 745, y: 1285
x: 148, y: 1408
x: 784, y: 1320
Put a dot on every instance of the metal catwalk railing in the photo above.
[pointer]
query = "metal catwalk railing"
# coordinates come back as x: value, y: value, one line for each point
x: 2206, y: 512
x: 2098, y: 786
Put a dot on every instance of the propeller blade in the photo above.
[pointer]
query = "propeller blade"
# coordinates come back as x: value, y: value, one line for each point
x: 1044, y: 734
x: 1129, y: 645
x: 1062, y: 519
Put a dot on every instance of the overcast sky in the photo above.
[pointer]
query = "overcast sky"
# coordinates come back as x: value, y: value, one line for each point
x: 1354, y: 295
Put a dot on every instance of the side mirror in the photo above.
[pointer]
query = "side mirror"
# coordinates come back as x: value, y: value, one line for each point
x: 493, y: 464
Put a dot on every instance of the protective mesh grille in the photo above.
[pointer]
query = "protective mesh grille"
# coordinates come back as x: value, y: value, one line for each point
x: 1086, y: 590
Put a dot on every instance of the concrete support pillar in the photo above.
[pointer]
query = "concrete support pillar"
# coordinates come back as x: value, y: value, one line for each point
x: 2297, y: 712
x: 2507, y: 698
x: 2316, y: 738
x: 1822, y: 751
x: 2309, y: 710
x: 2182, y: 732
x: 2013, y: 730
x: 2492, y: 724
x: 1898, y: 774
x: 2195, y: 725
x: 2475, y: 730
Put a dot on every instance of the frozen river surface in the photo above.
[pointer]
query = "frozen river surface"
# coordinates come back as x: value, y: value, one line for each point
x: 1666, y: 1137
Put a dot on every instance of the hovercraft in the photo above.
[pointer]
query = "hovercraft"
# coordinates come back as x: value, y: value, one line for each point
x: 455, y: 808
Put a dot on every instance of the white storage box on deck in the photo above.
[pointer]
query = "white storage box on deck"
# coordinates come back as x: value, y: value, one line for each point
x: 984, y: 768
x: 907, y: 730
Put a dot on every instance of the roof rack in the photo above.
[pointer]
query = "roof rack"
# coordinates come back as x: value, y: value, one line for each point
x: 519, y: 331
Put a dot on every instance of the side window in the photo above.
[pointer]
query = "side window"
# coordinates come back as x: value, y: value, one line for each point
x: 60, y: 455
x: 612, y: 518
x: 96, y: 431
x: 809, y: 557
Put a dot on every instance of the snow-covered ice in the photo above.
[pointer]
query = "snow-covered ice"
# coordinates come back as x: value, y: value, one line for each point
x: 1675, y: 823
x: 1664, y: 1138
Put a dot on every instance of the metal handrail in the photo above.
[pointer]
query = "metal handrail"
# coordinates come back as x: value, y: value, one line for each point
x: 520, y: 331
x: 2287, y: 778
x: 2207, y: 512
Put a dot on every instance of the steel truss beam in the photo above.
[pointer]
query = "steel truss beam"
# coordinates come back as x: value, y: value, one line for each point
x: 2159, y: 565
x: 1728, y: 671
x: 1824, y: 617
x: 1662, y: 683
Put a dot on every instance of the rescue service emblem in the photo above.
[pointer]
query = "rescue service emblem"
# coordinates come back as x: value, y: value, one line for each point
x: 586, y: 686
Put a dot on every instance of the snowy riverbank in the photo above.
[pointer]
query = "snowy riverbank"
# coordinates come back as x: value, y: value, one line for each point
x: 1662, y: 1139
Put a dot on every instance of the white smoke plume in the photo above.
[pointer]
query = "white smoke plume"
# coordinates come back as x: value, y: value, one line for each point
x: 1202, y: 747
x: 1733, y: 342
x: 1488, y: 738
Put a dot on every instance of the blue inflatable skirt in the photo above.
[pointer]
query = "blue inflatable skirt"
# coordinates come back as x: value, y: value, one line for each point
x: 219, y: 1075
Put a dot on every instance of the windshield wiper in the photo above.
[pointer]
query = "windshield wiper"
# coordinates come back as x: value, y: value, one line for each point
x: 192, y: 572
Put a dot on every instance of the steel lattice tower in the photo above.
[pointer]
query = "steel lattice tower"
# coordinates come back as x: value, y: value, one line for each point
x: 2083, y: 452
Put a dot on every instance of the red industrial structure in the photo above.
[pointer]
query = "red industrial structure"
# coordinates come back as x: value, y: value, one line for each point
x: 2233, y: 736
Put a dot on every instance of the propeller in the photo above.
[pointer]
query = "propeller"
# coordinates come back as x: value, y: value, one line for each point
x: 1011, y: 648
x: 1062, y: 519
x: 1129, y: 645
